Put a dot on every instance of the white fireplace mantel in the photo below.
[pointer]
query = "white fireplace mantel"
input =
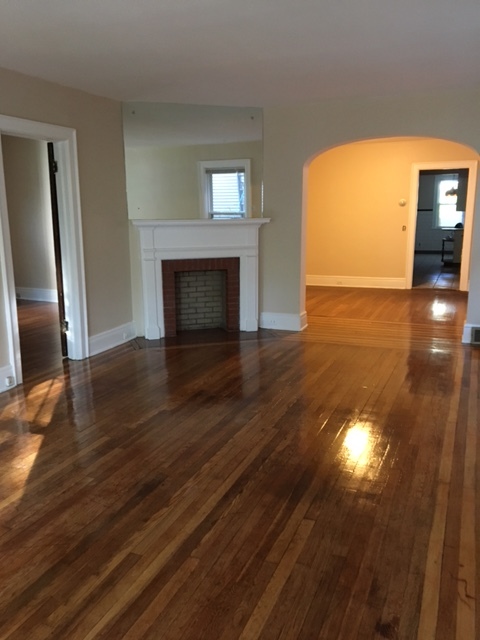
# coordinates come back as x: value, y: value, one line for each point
x: 186, y: 239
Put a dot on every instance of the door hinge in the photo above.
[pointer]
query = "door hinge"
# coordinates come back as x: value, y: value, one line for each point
x: 54, y: 165
x: 64, y: 326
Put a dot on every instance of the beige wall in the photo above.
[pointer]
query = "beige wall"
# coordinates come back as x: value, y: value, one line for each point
x: 354, y: 221
x: 98, y: 123
x: 29, y: 212
x: 294, y: 135
x: 163, y: 183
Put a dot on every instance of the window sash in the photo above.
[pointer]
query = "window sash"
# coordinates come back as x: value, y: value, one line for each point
x: 446, y: 214
x: 226, y: 192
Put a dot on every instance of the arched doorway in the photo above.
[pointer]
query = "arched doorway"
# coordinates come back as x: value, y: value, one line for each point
x: 361, y: 207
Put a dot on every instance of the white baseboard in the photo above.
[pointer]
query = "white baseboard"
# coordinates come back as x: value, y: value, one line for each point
x: 39, y: 295
x: 111, y: 338
x: 7, y: 378
x: 467, y: 333
x: 356, y: 281
x: 303, y: 321
x: 283, y: 321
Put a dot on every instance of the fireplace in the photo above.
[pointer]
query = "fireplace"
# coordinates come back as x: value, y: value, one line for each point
x: 200, y: 293
x: 171, y: 246
x: 200, y: 300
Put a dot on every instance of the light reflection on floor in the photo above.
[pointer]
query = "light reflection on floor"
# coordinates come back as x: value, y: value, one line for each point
x: 358, y: 444
x: 32, y: 414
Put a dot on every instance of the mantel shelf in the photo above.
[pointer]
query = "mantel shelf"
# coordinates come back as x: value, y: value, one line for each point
x: 194, y: 222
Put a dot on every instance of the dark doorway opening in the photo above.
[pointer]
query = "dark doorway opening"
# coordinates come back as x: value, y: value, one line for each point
x: 441, y: 206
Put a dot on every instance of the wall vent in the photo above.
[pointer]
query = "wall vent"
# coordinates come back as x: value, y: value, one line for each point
x: 475, y: 336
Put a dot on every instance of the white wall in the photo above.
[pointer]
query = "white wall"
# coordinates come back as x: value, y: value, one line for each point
x: 294, y: 135
x: 29, y: 212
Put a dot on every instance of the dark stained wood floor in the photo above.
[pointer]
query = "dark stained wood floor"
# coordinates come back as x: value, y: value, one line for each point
x: 295, y: 486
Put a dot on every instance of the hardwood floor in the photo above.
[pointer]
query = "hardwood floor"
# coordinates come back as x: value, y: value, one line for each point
x: 429, y: 272
x: 286, y: 486
x: 39, y: 338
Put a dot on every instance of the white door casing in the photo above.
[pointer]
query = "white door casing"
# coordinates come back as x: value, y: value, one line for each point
x: 472, y: 166
x: 65, y: 146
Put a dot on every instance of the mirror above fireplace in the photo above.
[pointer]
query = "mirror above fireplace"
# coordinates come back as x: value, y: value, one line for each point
x: 165, y: 145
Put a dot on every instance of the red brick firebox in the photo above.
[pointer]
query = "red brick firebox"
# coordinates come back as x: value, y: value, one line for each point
x: 232, y: 268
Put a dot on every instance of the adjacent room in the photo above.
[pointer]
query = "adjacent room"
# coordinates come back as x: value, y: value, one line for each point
x: 363, y: 202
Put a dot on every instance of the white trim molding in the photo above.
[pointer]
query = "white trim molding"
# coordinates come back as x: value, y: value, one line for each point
x: 207, y: 166
x: 467, y: 333
x: 472, y: 166
x: 39, y: 295
x: 283, y: 321
x: 190, y: 239
x: 7, y: 378
x: 112, y: 338
x: 70, y: 221
x: 356, y: 281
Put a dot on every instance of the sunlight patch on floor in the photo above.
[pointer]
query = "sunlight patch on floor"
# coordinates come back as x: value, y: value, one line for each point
x: 32, y: 414
x: 42, y: 400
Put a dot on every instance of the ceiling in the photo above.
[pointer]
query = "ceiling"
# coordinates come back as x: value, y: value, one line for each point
x: 250, y: 53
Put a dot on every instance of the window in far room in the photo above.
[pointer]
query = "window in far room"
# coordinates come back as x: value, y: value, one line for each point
x: 445, y: 208
x: 225, y: 189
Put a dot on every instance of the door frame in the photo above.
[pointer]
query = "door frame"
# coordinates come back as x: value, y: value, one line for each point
x: 65, y: 146
x: 57, y: 246
x: 472, y: 166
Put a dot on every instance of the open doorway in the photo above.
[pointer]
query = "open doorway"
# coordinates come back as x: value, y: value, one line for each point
x: 442, y: 197
x: 36, y: 252
x: 361, y: 210
x: 441, y: 224
x: 70, y: 231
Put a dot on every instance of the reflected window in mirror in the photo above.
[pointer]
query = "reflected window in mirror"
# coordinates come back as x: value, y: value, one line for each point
x: 225, y: 189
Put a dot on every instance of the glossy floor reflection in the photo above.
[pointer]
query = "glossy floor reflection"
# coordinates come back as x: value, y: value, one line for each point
x: 295, y: 486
